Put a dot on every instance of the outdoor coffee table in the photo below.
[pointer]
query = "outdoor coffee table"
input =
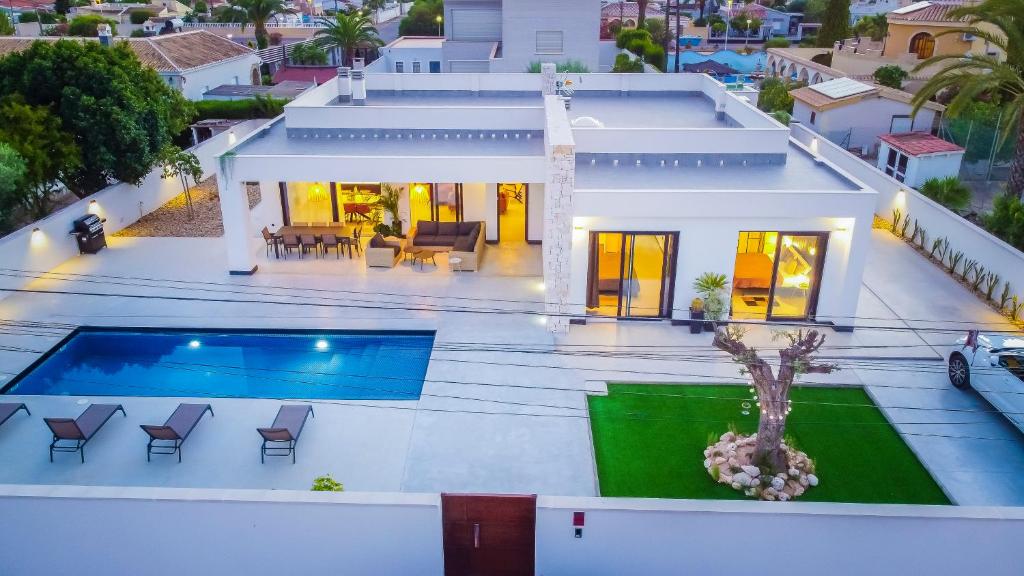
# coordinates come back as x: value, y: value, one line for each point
x: 421, y: 254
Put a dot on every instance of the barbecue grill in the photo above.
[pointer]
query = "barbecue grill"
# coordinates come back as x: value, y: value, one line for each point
x: 88, y: 230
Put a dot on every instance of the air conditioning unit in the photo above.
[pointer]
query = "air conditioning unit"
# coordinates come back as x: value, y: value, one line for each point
x: 967, y: 37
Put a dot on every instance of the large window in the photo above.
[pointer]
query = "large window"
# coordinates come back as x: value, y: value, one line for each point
x: 309, y: 202
x: 440, y: 202
x: 777, y: 275
x: 630, y: 274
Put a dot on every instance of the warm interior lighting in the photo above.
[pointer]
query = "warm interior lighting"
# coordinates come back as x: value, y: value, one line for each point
x: 419, y: 189
x: 317, y: 193
x: 796, y: 281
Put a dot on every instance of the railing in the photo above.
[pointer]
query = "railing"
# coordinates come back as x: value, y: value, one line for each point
x: 281, y: 52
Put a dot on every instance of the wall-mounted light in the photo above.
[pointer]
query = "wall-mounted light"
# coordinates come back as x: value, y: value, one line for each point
x: 814, y: 144
x: 38, y: 238
x: 94, y: 208
x: 901, y: 196
x: 231, y: 137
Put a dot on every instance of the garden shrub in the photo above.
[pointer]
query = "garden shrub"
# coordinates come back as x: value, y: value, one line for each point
x: 948, y: 191
x: 140, y: 16
x: 776, y: 42
x: 1007, y: 220
x: 240, y: 109
x: 87, y: 25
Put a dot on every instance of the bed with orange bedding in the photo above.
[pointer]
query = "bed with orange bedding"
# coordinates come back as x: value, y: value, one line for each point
x: 753, y: 270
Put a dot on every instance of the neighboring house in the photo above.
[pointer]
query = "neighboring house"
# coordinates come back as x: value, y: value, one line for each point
x: 411, y: 54
x: 120, y: 11
x: 862, y: 8
x: 627, y: 13
x: 773, y: 22
x: 916, y: 32
x: 162, y: 25
x: 634, y: 189
x: 854, y: 114
x: 503, y: 36
x: 915, y: 157
x: 191, y: 62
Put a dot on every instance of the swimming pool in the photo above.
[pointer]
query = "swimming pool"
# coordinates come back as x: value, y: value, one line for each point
x: 743, y: 63
x: 232, y: 363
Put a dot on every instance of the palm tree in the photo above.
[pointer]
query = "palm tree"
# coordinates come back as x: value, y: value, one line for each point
x: 641, y: 16
x: 349, y: 31
x: 998, y: 22
x: 254, y: 12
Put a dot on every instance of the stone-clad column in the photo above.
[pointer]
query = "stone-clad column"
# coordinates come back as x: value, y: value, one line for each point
x: 547, y: 78
x: 559, y: 183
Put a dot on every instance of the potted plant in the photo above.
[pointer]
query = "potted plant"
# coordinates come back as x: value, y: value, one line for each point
x: 711, y: 287
x: 696, y: 315
x: 389, y: 196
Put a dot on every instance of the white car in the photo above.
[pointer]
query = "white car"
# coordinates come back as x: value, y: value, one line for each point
x: 992, y: 364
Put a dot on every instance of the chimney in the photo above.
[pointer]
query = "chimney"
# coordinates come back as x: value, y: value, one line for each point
x: 104, y: 33
x: 358, y: 82
x: 344, y: 85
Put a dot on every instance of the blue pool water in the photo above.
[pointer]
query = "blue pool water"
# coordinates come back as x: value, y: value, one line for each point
x: 310, y: 365
x: 743, y: 63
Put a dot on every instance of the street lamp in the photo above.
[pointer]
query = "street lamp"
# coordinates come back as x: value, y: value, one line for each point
x: 746, y: 37
x: 439, y: 20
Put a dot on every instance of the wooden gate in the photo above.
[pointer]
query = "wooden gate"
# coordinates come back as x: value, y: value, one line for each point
x: 490, y: 535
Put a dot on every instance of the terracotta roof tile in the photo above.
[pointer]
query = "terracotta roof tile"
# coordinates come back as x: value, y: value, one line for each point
x: 169, y: 53
x: 937, y: 12
x: 919, y: 143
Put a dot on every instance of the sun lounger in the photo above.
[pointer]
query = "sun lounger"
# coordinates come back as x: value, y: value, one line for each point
x: 81, y: 429
x: 8, y: 409
x: 175, y: 430
x: 286, y: 429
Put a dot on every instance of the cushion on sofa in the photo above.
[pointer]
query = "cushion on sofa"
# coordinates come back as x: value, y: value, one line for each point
x: 442, y: 240
x: 427, y: 227
x: 474, y: 235
x: 464, y: 244
x: 447, y: 228
x: 466, y: 227
x: 424, y: 240
x: 377, y: 241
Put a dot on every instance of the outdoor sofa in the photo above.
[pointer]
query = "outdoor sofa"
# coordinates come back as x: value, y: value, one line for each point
x: 463, y: 240
x: 382, y: 252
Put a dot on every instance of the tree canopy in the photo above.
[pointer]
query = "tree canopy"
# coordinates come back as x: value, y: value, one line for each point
x: 119, y: 113
x: 422, y: 19
x: 87, y: 25
x: 349, y: 31
x: 835, y: 23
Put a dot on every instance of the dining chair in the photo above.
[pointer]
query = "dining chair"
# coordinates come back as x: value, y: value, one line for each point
x: 357, y: 235
x: 331, y: 241
x: 290, y: 241
x: 308, y: 241
x: 268, y: 238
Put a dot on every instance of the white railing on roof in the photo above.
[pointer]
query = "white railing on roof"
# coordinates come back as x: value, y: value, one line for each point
x: 272, y: 54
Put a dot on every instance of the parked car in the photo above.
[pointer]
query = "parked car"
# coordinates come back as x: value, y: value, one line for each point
x: 992, y: 364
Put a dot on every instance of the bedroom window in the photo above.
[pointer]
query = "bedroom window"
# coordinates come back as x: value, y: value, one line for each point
x: 777, y: 275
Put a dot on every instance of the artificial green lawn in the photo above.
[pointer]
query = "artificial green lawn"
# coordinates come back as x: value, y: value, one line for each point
x: 650, y: 439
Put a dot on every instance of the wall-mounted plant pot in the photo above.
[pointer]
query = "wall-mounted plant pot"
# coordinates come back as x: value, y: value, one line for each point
x: 695, y: 315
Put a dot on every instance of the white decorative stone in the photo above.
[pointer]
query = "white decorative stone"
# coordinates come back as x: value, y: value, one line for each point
x: 752, y: 471
x: 812, y: 479
x: 778, y: 484
x: 742, y: 478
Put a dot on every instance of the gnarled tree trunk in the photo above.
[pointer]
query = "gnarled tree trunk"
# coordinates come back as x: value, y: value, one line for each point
x: 1015, y: 183
x: 773, y: 390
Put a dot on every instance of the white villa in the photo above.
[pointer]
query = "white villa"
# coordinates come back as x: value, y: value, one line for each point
x: 634, y: 184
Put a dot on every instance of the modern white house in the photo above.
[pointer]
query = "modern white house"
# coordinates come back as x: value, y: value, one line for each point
x: 916, y: 157
x: 853, y: 114
x: 502, y: 36
x: 635, y: 185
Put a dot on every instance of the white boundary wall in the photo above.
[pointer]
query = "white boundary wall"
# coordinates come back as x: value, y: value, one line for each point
x: 156, y: 531
x: 121, y: 204
x: 977, y: 244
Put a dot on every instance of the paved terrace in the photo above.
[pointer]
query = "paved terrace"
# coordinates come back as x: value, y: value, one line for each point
x: 503, y: 408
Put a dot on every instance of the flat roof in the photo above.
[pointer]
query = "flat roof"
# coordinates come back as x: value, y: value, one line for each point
x: 646, y: 109
x: 276, y: 141
x: 286, y: 89
x: 417, y: 42
x: 801, y: 172
x: 453, y: 98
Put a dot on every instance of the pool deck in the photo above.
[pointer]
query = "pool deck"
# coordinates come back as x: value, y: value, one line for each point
x: 509, y: 415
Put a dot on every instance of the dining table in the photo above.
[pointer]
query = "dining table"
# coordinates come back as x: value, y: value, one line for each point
x: 339, y: 230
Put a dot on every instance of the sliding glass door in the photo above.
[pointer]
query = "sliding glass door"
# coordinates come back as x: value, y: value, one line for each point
x: 777, y: 275
x: 630, y: 274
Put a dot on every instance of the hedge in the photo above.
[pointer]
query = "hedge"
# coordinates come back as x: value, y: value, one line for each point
x: 239, y: 109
